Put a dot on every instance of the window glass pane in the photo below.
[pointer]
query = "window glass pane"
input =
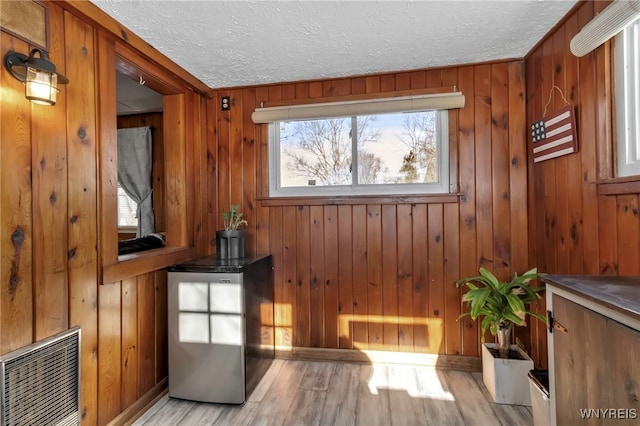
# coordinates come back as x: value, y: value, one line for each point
x: 126, y: 209
x: 315, y: 152
x: 402, y: 148
x: 395, y: 153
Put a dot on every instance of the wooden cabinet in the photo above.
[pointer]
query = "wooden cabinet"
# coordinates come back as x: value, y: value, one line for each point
x: 594, y: 349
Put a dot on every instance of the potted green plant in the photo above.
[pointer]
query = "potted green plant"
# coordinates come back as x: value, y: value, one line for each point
x: 503, y: 304
x: 230, y: 240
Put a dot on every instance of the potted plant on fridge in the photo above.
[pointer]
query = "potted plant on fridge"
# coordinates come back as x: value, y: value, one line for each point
x: 230, y: 240
x: 503, y: 304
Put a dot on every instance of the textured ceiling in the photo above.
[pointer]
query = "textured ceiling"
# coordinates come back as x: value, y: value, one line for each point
x: 241, y: 43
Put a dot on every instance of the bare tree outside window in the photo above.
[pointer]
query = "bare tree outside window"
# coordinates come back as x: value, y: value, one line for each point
x: 321, y: 150
x: 419, y: 135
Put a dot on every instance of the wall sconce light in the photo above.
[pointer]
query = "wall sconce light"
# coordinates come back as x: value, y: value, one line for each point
x: 38, y: 75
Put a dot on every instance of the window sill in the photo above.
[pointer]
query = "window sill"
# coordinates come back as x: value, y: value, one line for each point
x: 357, y: 200
x: 134, y: 264
x: 619, y: 186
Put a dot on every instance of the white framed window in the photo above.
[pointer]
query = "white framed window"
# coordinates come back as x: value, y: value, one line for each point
x: 380, y: 154
x: 627, y: 98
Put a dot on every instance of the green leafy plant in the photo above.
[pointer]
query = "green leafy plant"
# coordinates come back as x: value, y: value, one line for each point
x: 501, y: 303
x: 233, y: 219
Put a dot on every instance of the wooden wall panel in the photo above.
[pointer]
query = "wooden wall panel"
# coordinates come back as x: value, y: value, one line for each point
x: 435, y: 279
x: 405, y: 278
x: 420, y: 284
x: 452, y: 294
x: 360, y: 336
x: 146, y: 333
x: 302, y: 332
x: 467, y: 210
x: 345, y: 277
x: 517, y: 178
x: 49, y: 179
x: 49, y: 214
x: 174, y: 126
x: 500, y: 168
x: 15, y: 215
x: 161, y: 326
x: 288, y: 281
x: 381, y: 275
x: 316, y: 275
x: 572, y: 229
x: 129, y: 341
x: 389, y: 239
x: 375, y: 285
x: 82, y: 205
x: 132, y: 341
x: 330, y: 284
x: 191, y: 168
x: 110, y: 375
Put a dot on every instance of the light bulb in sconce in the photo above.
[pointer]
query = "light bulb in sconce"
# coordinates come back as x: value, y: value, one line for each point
x: 37, y: 73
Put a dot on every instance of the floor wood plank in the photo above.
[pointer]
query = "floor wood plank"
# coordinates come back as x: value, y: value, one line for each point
x: 306, y: 408
x: 203, y: 414
x: 439, y: 403
x: 342, y: 395
x: 471, y: 402
x: 240, y: 415
x: 152, y: 411
x: 270, y: 376
x: 509, y: 415
x: 171, y: 413
x: 513, y: 415
x: 312, y: 393
x: 317, y: 375
x: 274, y: 407
x: 373, y: 400
x: 406, y: 407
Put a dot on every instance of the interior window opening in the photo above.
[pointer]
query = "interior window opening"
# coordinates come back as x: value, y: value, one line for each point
x: 140, y: 197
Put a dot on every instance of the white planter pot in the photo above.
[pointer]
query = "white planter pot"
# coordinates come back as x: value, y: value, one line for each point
x: 506, y: 379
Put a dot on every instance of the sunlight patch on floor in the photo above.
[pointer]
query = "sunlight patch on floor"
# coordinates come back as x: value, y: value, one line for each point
x: 422, y: 383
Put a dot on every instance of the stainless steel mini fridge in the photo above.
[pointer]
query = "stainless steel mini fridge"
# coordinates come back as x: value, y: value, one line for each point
x: 220, y: 328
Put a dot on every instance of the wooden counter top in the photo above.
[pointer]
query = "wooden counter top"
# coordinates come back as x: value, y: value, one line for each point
x: 621, y: 294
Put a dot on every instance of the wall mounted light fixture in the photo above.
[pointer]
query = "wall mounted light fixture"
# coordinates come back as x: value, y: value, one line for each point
x: 37, y: 73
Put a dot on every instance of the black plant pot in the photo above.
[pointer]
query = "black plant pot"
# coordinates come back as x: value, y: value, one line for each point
x: 230, y: 244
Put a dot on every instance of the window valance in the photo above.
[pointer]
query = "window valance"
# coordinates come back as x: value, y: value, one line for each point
x: 438, y: 101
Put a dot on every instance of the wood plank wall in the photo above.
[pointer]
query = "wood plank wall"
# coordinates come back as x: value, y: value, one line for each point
x: 573, y: 229
x: 132, y: 341
x: 50, y: 272
x: 379, y: 274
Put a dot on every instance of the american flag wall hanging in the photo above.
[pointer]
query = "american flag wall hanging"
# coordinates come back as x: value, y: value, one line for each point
x: 555, y: 135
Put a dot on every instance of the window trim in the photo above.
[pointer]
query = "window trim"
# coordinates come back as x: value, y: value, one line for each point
x: 624, y: 129
x: 114, y: 55
x: 442, y: 187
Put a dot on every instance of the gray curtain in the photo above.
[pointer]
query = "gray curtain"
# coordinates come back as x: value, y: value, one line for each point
x: 134, y: 173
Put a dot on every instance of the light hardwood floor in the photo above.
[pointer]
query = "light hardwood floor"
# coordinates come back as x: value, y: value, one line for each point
x: 338, y: 393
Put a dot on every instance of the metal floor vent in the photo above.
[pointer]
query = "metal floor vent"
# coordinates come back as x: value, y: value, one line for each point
x: 41, y: 382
